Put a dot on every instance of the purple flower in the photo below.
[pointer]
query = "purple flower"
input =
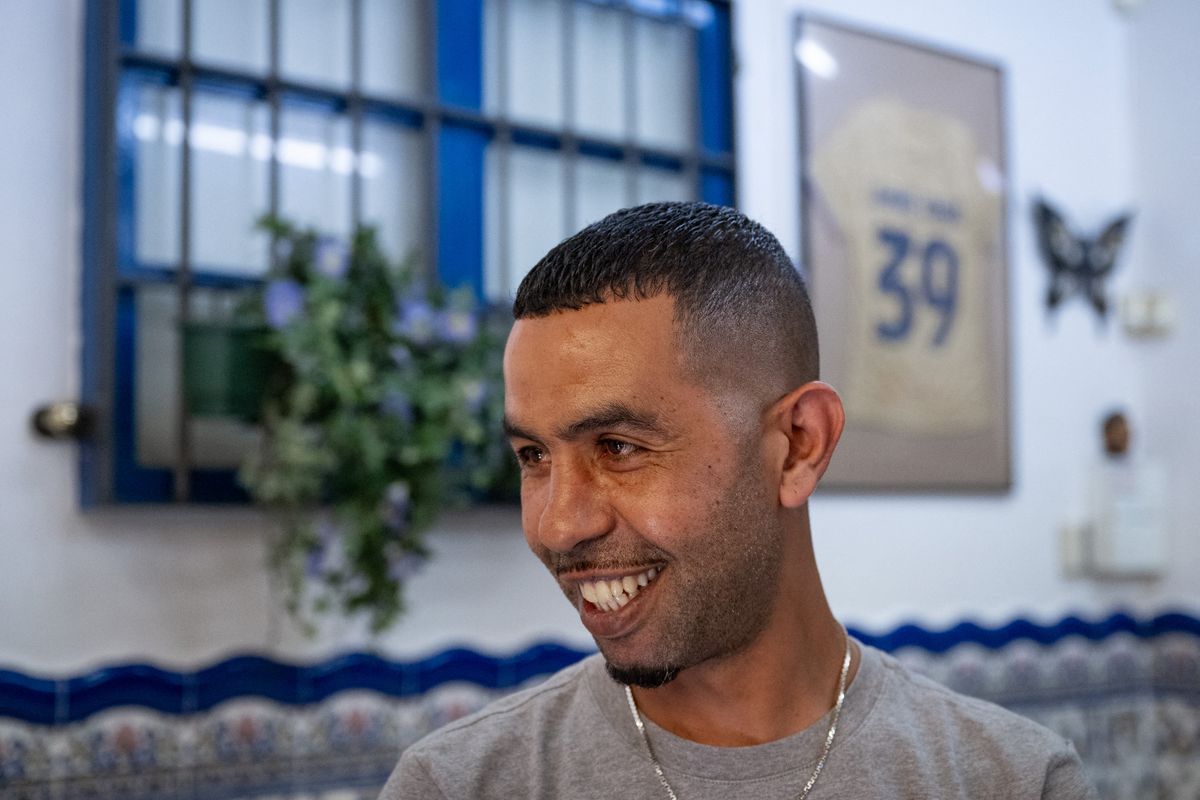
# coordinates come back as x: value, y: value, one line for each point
x: 417, y: 321
x: 398, y: 495
x: 395, y: 506
x: 282, y: 249
x: 283, y: 301
x: 406, y: 566
x: 457, y: 326
x: 401, y: 355
x: 397, y: 406
x: 327, y: 536
x: 474, y: 393
x: 331, y: 257
x: 315, y: 562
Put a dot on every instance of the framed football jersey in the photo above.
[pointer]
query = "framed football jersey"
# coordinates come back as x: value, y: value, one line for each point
x: 903, y: 220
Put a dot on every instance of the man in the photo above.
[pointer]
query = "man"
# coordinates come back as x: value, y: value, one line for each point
x: 663, y: 402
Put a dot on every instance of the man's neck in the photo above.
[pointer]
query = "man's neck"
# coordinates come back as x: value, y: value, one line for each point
x: 782, y: 683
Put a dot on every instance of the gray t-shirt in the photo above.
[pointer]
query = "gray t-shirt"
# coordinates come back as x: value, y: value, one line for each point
x: 900, y: 736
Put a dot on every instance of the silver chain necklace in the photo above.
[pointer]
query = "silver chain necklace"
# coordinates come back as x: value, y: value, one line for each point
x: 816, y: 773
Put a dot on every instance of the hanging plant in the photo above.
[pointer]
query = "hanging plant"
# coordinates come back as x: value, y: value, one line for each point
x: 383, y: 407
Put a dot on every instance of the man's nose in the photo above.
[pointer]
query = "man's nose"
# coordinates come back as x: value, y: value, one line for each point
x: 576, y: 510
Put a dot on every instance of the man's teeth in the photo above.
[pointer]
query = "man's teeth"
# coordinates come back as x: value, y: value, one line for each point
x: 609, y: 595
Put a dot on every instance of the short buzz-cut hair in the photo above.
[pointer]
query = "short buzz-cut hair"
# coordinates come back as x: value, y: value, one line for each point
x: 742, y: 311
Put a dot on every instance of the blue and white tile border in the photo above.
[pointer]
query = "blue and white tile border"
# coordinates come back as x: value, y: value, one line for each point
x: 56, y: 701
x: 1125, y: 690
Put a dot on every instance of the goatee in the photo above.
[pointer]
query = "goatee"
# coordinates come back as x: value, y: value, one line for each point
x: 642, y: 677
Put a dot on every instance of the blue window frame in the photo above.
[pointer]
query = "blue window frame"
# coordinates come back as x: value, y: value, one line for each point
x: 458, y: 127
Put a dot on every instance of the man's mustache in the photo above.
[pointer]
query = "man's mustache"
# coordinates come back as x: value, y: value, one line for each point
x: 613, y: 561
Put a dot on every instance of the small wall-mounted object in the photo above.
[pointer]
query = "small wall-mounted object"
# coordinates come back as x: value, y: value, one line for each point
x: 65, y: 419
x: 1123, y: 532
x: 1148, y: 314
x: 1126, y: 537
x: 1078, y: 264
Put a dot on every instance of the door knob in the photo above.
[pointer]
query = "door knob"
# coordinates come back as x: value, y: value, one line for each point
x: 65, y: 419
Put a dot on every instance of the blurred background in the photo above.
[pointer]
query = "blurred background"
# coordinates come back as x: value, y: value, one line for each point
x: 475, y: 134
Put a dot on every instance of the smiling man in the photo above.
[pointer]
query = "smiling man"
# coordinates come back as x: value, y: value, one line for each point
x: 661, y: 396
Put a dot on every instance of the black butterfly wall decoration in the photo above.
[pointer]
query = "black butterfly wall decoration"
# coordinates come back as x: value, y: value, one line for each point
x: 1077, y: 264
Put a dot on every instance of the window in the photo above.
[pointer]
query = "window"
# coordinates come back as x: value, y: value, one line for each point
x: 473, y: 134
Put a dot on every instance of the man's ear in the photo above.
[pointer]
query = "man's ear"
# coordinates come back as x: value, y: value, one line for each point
x: 812, y: 418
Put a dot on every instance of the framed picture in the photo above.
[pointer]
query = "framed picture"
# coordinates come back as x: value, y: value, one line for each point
x: 903, y: 222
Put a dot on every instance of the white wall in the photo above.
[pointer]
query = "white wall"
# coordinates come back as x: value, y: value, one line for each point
x: 187, y: 587
x: 1069, y: 135
x: 1166, y: 128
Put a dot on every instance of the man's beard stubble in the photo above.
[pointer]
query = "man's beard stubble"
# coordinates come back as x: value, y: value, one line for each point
x: 644, y: 677
x: 724, y: 586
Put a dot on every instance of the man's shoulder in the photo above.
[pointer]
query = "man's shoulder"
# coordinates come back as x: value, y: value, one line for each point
x: 527, y: 711
x: 929, y: 703
x: 931, y: 728
x: 498, y: 750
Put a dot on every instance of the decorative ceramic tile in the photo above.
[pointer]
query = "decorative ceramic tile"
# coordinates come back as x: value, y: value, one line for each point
x: 1129, y: 700
x: 25, y: 758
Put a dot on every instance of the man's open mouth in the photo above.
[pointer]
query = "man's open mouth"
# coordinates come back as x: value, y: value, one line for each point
x: 610, y: 594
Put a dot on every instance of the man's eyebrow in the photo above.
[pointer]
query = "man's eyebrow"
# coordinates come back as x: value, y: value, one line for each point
x: 514, y: 431
x: 613, y: 415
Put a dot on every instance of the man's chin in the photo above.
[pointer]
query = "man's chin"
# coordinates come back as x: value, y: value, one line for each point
x: 641, y: 676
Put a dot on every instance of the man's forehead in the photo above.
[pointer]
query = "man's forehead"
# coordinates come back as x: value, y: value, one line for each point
x: 613, y: 330
x: 565, y: 364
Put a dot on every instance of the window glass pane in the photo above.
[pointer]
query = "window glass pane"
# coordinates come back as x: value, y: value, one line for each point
x: 231, y: 148
x: 665, y: 91
x: 532, y: 68
x: 315, y: 41
x: 601, y: 187
x: 536, y: 201
x: 492, y: 72
x: 217, y: 442
x: 231, y: 33
x: 393, y: 185
x: 159, y: 26
x: 655, y: 184
x: 495, y: 276
x: 600, y: 60
x: 157, y: 135
x: 393, y: 51
x: 315, y: 163
x: 530, y: 208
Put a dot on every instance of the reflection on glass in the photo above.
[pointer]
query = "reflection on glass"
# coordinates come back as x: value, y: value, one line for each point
x: 315, y: 166
x: 231, y: 148
x: 393, y: 53
x: 665, y: 91
x: 230, y: 33
x: 531, y: 35
x: 654, y: 184
x: 393, y: 185
x: 216, y: 442
x: 495, y: 277
x: 157, y: 136
x: 315, y: 41
x: 532, y: 206
x: 159, y: 27
x: 601, y: 187
x: 600, y: 60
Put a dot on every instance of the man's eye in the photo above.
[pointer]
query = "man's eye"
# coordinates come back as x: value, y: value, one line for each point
x: 618, y: 448
x: 530, y: 455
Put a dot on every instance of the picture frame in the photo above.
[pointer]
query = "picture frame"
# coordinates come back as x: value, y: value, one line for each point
x: 904, y: 225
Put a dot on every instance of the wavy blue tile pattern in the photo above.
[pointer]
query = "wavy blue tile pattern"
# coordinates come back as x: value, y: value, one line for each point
x: 47, y: 701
